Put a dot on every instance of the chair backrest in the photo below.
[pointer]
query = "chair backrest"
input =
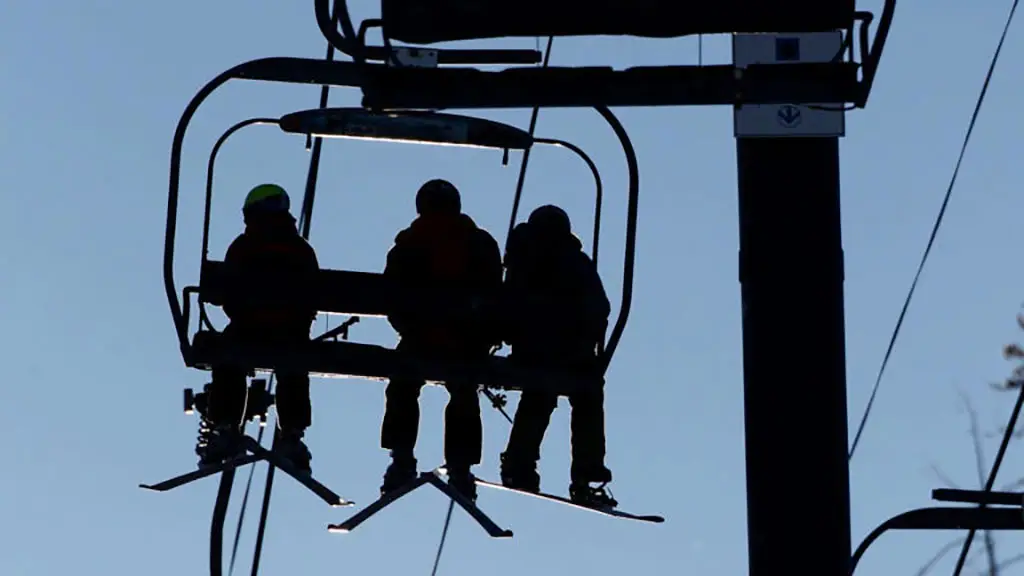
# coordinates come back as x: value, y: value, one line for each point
x: 337, y: 291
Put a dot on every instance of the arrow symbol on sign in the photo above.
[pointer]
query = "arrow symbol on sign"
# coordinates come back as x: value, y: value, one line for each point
x: 789, y: 115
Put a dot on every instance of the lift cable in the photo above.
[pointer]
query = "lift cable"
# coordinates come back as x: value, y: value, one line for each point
x: 261, y: 528
x: 304, y: 222
x: 444, y: 535
x: 495, y: 401
x: 245, y: 497
x: 935, y: 230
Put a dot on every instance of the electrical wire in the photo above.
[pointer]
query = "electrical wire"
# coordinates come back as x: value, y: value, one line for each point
x: 935, y: 230
x: 261, y: 528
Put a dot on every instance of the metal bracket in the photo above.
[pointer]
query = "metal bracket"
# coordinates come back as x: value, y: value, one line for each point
x: 258, y: 402
x: 413, y: 57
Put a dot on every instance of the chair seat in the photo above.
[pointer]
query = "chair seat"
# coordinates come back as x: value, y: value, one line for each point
x: 344, y: 359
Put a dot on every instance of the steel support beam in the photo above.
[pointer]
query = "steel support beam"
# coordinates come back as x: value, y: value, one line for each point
x: 794, y: 359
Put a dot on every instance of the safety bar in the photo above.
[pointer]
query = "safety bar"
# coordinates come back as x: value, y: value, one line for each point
x: 943, y: 518
x: 598, y: 185
x: 209, y: 172
x: 629, y: 259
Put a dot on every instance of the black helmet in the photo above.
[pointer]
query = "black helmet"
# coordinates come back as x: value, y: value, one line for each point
x: 551, y: 220
x: 438, y: 196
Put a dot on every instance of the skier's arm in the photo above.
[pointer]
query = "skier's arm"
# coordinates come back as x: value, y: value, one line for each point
x: 396, y: 274
x: 598, y: 308
x: 235, y: 260
x: 311, y: 274
x: 488, y: 272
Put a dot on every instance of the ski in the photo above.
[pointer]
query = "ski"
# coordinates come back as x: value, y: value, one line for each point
x: 381, y: 503
x: 434, y: 479
x: 469, y: 506
x: 257, y: 453
x: 306, y: 480
x: 201, y: 473
x: 606, y: 511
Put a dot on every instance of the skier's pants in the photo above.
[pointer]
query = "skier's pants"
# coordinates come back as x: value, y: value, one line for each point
x: 226, y: 402
x: 463, y: 429
x: 587, y: 427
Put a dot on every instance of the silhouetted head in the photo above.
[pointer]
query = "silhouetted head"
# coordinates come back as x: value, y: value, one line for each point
x: 266, y: 201
x: 438, y: 197
x: 550, y: 221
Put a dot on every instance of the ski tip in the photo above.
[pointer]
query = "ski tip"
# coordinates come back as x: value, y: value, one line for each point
x: 337, y: 529
x: 342, y: 503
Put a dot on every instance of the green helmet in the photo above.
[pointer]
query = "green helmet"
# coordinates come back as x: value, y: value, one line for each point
x: 266, y: 198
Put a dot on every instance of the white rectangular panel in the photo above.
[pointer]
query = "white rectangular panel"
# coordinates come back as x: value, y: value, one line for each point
x: 787, y: 120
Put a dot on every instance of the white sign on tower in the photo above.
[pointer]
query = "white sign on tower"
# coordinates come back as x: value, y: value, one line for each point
x: 782, y: 120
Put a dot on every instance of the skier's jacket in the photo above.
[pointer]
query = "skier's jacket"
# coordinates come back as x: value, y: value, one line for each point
x: 554, y: 303
x: 270, y: 275
x: 444, y: 274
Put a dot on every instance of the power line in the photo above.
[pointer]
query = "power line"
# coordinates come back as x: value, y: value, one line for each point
x: 935, y: 230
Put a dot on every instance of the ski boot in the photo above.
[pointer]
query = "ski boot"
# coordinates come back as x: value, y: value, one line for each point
x: 291, y: 447
x: 519, y: 474
x: 401, y: 471
x: 218, y: 443
x: 582, y: 491
x: 584, y: 494
x: 462, y: 480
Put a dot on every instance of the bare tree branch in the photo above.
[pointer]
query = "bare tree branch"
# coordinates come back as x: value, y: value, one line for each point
x: 979, y: 463
x: 927, y: 567
x: 979, y: 457
x: 943, y: 477
x: 1014, y: 382
x: 1012, y: 486
x: 1007, y: 563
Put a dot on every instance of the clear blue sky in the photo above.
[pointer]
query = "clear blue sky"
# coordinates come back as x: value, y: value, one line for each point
x: 90, y: 96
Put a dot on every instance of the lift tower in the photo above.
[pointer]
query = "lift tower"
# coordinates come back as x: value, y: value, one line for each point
x: 794, y: 362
